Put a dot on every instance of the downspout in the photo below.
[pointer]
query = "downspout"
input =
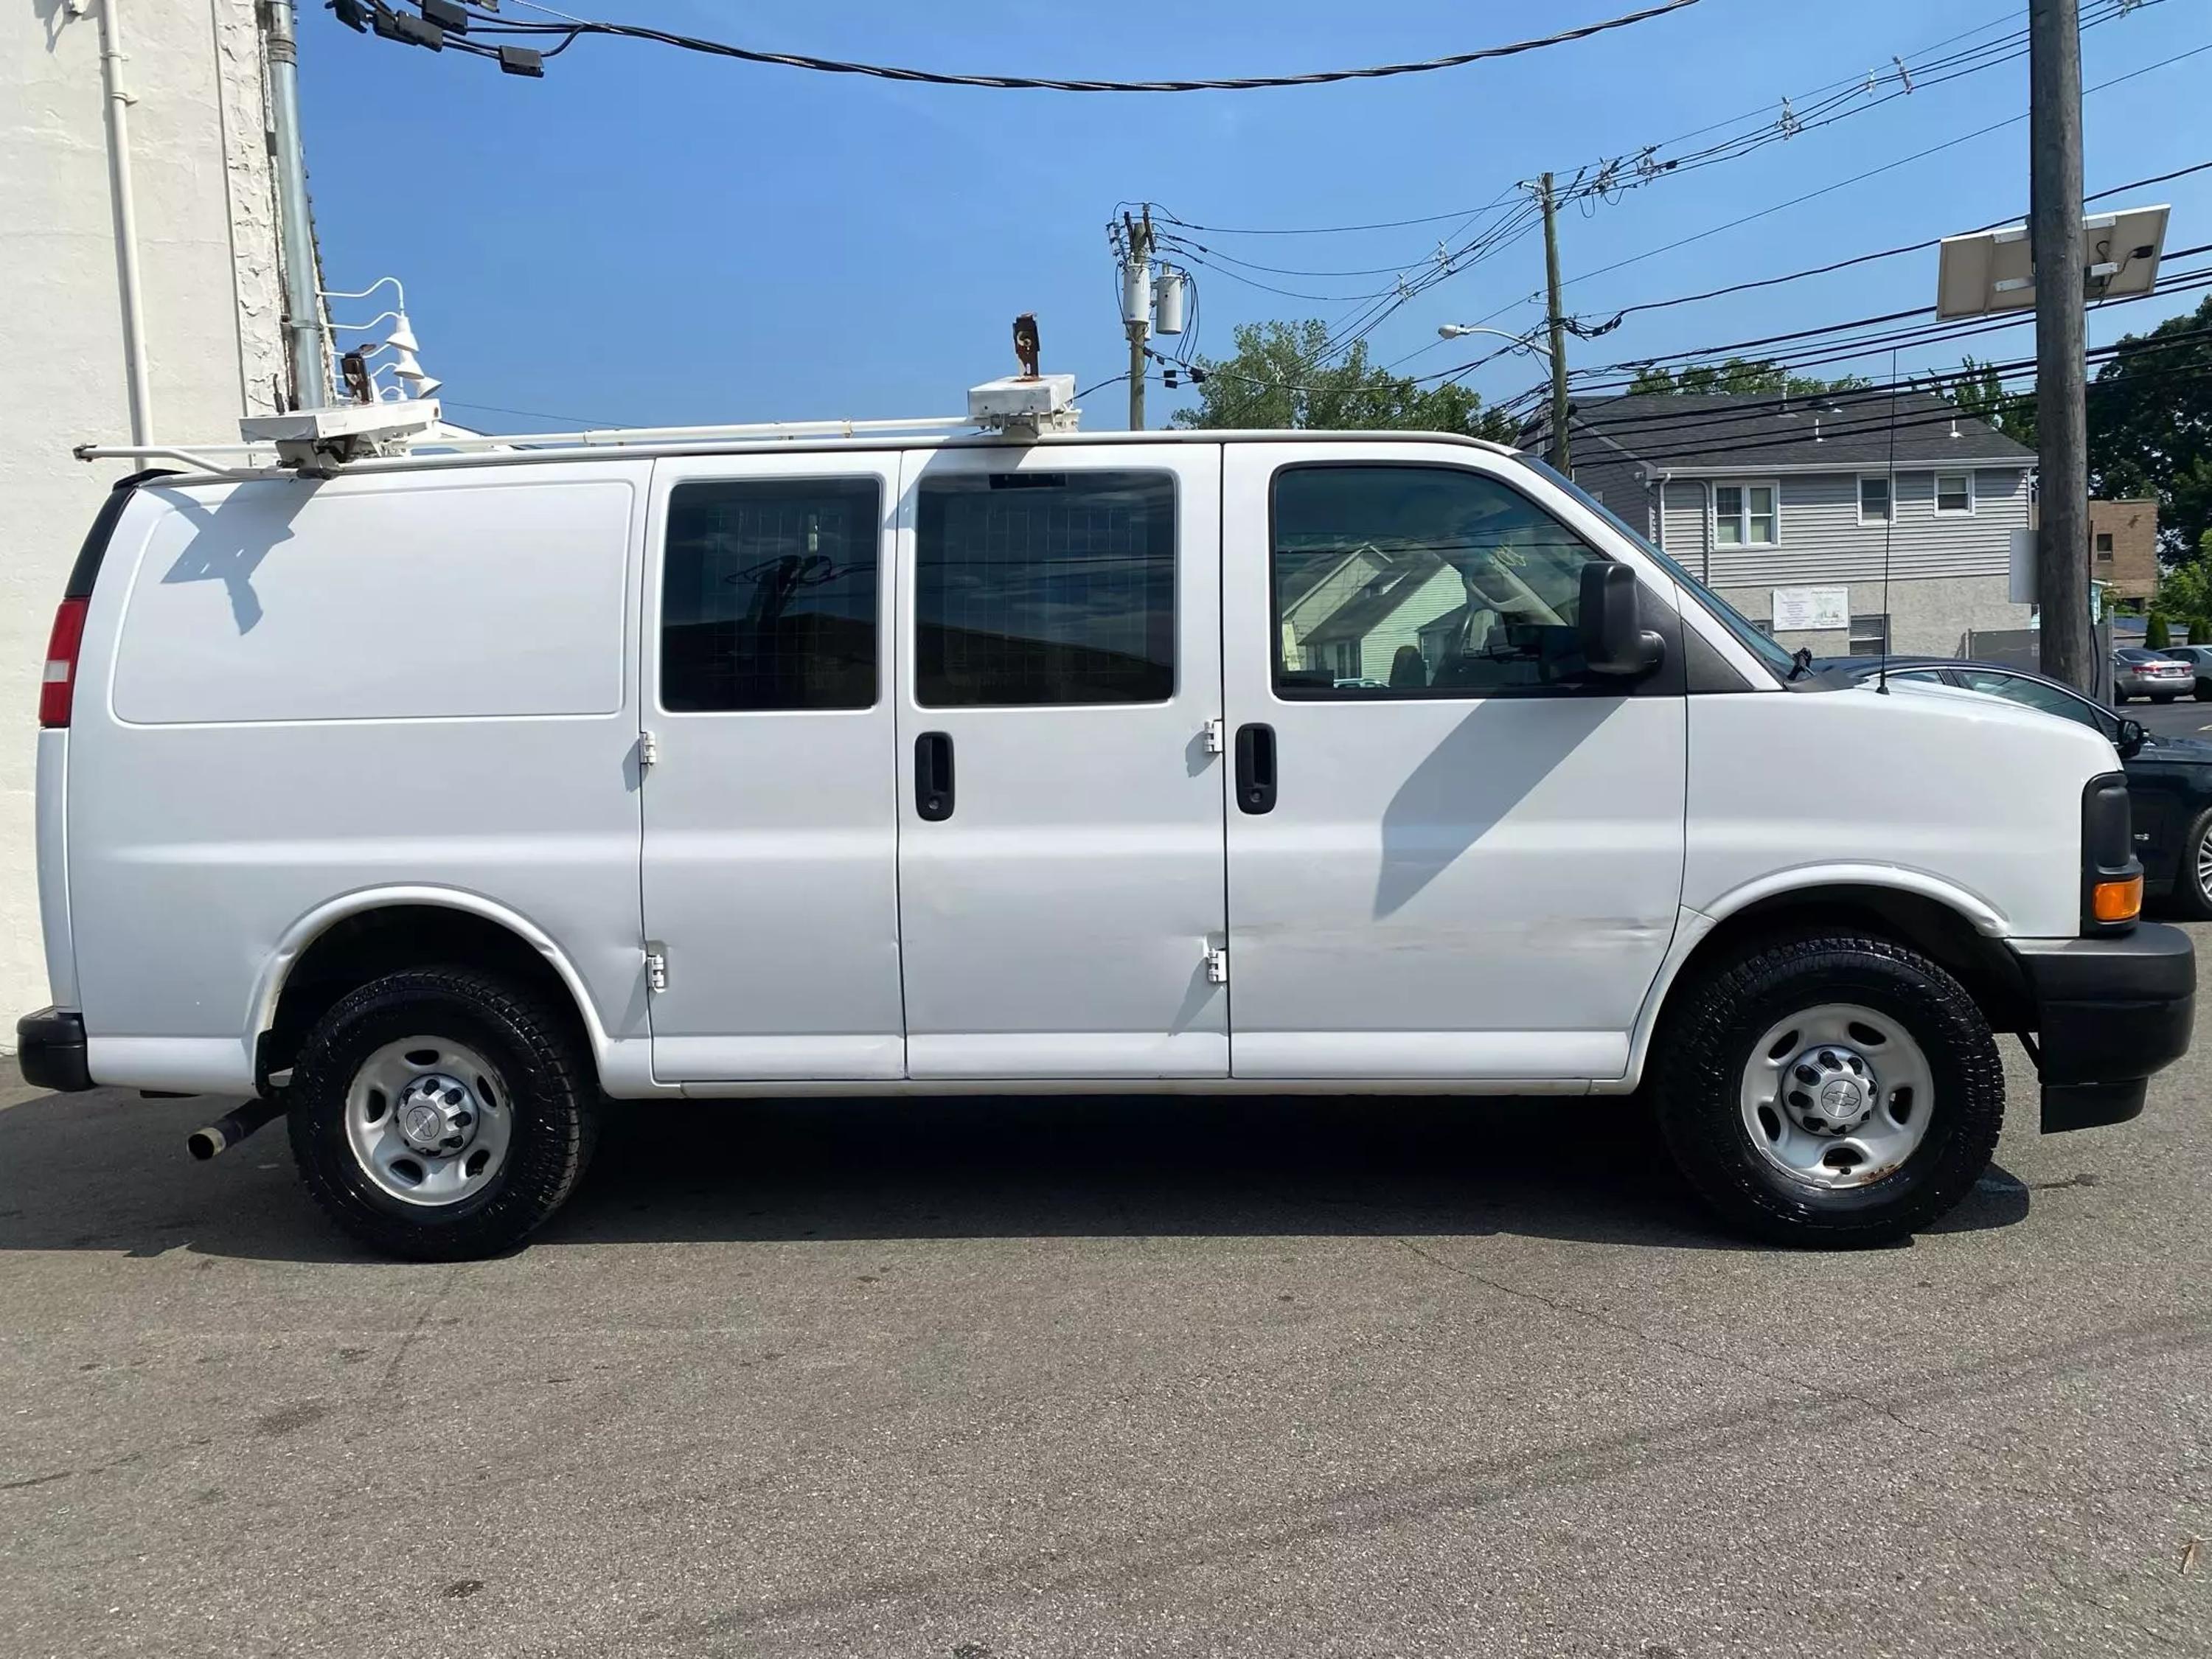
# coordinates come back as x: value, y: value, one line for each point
x: 119, y: 100
x: 303, y: 333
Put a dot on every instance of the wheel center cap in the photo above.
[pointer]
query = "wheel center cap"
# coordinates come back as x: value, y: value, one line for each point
x: 1841, y: 1097
x: 437, y: 1115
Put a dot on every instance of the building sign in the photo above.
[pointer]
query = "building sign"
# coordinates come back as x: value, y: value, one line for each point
x: 1800, y: 610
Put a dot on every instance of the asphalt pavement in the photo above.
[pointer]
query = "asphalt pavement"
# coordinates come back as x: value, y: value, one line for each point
x: 1006, y: 1378
x: 2183, y: 718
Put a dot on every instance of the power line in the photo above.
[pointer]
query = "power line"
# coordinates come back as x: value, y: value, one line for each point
x: 1705, y: 451
x: 1379, y: 305
x: 1603, y: 421
x: 1794, y: 121
x: 529, y: 414
x: 1916, y: 63
x: 1823, y: 350
x: 1335, y: 230
x: 1829, y: 350
x: 572, y: 28
x: 1861, y: 258
x: 1871, y: 173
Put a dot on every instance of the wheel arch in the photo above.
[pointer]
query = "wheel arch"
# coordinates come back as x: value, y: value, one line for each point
x: 1961, y: 932
x: 356, y: 938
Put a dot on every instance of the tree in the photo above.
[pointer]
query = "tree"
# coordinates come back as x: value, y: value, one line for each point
x: 1277, y: 378
x: 2184, y: 592
x: 1979, y: 391
x: 2156, y: 636
x: 1743, y: 375
x: 2150, y: 428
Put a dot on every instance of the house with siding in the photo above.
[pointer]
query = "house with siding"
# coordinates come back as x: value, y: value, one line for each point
x: 1842, y: 522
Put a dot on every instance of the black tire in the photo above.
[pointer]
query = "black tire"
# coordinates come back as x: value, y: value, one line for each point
x: 2205, y: 691
x: 2167, y: 698
x: 2120, y: 700
x: 2190, y: 898
x: 552, y: 1095
x: 1706, y: 1043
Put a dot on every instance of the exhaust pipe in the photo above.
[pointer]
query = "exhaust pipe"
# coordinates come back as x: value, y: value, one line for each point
x: 227, y: 1131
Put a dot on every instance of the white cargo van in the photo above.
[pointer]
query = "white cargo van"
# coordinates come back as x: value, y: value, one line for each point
x: 433, y: 799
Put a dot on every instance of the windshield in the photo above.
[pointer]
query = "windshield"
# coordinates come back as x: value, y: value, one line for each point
x: 1781, y: 661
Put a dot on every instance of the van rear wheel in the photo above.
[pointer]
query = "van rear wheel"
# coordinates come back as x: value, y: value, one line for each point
x: 440, y: 1114
x: 1832, y: 1090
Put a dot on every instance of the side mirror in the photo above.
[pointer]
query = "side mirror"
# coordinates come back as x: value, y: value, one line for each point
x: 2129, y: 742
x: 1615, y: 641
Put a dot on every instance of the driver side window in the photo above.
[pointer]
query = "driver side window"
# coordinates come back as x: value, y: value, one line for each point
x: 1398, y: 580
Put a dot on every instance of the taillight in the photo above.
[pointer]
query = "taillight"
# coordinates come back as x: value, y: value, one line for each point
x: 56, y: 689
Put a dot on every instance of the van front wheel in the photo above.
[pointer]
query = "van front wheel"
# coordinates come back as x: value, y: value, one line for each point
x: 1832, y: 1090
x: 440, y: 1114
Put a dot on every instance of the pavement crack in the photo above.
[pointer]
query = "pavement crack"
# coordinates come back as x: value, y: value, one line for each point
x: 431, y: 1305
x: 35, y: 1480
x: 1621, y: 1327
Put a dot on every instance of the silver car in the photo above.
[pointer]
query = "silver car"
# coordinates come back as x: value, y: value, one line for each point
x: 2199, y: 658
x: 2138, y: 672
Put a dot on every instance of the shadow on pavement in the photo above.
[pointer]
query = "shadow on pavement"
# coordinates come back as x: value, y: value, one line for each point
x: 108, y: 1171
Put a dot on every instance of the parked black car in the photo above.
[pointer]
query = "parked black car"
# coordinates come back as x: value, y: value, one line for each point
x: 2169, y: 779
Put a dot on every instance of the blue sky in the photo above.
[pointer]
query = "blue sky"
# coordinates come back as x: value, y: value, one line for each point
x: 648, y: 237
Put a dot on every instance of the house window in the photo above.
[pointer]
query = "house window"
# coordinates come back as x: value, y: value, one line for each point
x: 1874, y: 500
x: 1339, y: 659
x: 1747, y: 515
x: 1955, y: 492
x: 2103, y: 545
x: 1870, y: 635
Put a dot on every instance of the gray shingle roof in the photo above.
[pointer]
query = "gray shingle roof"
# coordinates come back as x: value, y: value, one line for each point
x: 1685, y: 431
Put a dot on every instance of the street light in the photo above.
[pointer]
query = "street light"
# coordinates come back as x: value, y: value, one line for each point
x: 1460, y: 331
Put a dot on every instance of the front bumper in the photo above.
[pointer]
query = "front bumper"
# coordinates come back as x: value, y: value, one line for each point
x: 2107, y: 1013
x: 50, y: 1049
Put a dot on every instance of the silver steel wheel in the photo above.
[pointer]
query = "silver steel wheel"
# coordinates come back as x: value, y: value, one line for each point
x: 429, y: 1120
x: 1837, y: 1097
x: 2204, y: 862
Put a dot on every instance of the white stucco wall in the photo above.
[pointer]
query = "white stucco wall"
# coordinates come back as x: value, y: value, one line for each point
x: 208, y: 258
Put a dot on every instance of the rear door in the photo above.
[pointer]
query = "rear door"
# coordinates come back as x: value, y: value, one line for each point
x: 1454, y: 855
x: 770, y: 858
x: 1060, y: 853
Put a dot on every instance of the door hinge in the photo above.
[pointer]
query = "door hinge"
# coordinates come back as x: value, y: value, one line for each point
x: 1217, y: 967
x: 1217, y: 738
x: 656, y: 965
x: 648, y: 752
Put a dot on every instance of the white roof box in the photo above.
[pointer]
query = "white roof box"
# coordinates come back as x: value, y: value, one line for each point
x: 1024, y: 404
x: 312, y: 438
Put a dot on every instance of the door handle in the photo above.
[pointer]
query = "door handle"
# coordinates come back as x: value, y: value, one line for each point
x: 933, y: 776
x: 1255, y: 768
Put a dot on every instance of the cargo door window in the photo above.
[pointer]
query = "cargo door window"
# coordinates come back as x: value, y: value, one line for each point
x: 1045, y: 588
x: 769, y: 596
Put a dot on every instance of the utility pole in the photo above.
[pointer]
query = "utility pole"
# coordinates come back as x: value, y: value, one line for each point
x: 1558, y: 323
x: 1137, y: 309
x: 2061, y: 551
x: 303, y: 320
